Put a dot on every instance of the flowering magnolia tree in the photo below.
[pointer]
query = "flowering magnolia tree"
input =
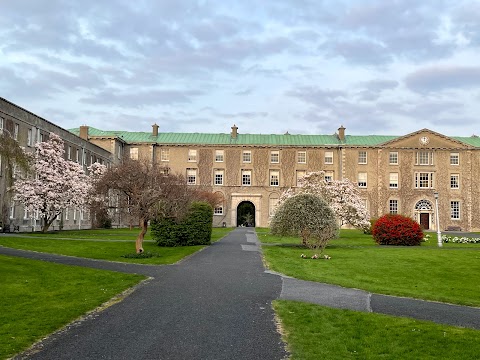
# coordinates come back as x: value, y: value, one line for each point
x: 342, y: 196
x: 56, y: 184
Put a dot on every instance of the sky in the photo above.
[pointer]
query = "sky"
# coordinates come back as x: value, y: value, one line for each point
x: 387, y: 67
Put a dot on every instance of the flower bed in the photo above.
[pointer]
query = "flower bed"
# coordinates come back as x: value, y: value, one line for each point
x: 460, y: 240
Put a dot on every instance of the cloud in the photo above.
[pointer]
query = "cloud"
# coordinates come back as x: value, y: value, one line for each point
x: 438, y: 78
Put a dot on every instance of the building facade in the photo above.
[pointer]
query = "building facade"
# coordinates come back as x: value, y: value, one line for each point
x: 394, y: 174
x: 29, y: 129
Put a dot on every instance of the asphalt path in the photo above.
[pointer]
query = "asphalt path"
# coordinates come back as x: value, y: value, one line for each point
x: 216, y: 304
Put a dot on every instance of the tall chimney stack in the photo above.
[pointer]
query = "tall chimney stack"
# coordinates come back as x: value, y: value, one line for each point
x: 84, y: 132
x: 234, y: 132
x: 341, y: 133
x: 155, y: 129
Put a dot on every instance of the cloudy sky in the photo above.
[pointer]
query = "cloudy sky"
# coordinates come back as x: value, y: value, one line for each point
x: 270, y: 66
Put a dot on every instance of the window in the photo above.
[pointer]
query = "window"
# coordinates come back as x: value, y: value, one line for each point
x: 246, y: 177
x: 66, y: 213
x: 454, y: 158
x: 424, y: 158
x: 165, y: 170
x: 75, y: 214
x: 300, y: 175
x: 78, y: 156
x: 328, y: 157
x: 69, y: 153
x: 0, y: 165
x: 424, y: 180
x: 393, y: 180
x: 455, y: 210
x: 274, y: 177
x: 192, y: 155
x: 218, y: 177
x: 247, y: 156
x: 328, y: 176
x: 454, y: 181
x: 165, y: 155
x: 302, y: 157
x: 12, y: 210
x: 91, y: 159
x: 119, y: 151
x: 29, y: 138
x: 274, y: 157
x: 15, y: 132
x: 1, y: 125
x: 362, y: 157
x: 218, y: 210
x: 134, y: 153
x: 393, y: 206
x: 219, y: 155
x: 272, y: 206
x: 362, y: 180
x: 191, y: 176
x: 25, y: 214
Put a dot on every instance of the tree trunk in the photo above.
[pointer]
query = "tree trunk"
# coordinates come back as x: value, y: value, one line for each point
x: 141, y: 236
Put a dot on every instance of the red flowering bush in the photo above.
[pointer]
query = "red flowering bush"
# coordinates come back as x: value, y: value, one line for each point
x: 397, y: 230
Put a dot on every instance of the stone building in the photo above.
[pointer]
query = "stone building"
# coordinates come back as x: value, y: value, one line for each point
x: 28, y: 129
x: 395, y: 174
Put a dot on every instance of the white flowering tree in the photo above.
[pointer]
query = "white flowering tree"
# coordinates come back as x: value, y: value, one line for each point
x: 56, y: 184
x: 342, y: 196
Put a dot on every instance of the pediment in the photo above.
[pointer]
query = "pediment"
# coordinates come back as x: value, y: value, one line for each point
x: 425, y: 139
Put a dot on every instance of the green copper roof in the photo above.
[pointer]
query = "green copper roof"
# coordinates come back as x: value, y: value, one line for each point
x: 251, y: 139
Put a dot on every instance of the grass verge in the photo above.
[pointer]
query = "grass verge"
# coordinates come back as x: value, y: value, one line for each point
x: 38, y: 298
x: 109, y: 245
x: 448, y: 274
x: 316, y: 332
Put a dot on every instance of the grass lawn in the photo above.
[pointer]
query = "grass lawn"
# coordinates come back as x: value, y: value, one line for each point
x: 317, y: 332
x: 39, y: 297
x: 108, y: 244
x: 449, y: 274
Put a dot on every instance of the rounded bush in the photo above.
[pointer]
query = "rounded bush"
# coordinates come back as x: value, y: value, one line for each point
x: 397, y: 230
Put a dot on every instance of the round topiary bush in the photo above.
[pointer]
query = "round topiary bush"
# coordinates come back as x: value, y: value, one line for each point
x: 397, y: 230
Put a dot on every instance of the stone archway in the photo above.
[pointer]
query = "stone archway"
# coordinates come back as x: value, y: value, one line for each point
x: 424, y: 213
x: 246, y: 214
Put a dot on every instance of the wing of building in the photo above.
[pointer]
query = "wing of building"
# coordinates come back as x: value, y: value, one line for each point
x: 395, y: 174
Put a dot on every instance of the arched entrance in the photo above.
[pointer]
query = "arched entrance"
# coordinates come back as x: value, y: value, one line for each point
x: 246, y: 214
x: 423, y: 213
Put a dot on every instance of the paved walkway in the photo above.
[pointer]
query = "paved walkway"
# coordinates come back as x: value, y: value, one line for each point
x: 215, y: 304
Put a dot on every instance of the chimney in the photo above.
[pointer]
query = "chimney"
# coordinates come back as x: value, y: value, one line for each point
x: 84, y: 132
x: 155, y: 129
x: 341, y: 133
x: 234, y: 131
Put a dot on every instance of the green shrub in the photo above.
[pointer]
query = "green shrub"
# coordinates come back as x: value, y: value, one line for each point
x: 194, y: 229
x: 307, y: 216
x: 397, y: 230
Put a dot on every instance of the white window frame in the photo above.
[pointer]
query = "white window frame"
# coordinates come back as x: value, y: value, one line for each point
x: 393, y: 180
x: 362, y: 157
x: 191, y: 176
x: 454, y: 181
x: 424, y: 158
x: 422, y: 178
x: 219, y: 155
x: 299, y: 174
x: 1, y: 124
x: 455, y: 210
x: 302, y: 157
x: 192, y: 155
x: 274, y: 177
x: 12, y: 210
x: 246, y: 156
x: 29, y: 137
x: 67, y: 215
x: 246, y: 177
x: 218, y: 177
x: 134, y: 153
x: 328, y: 176
x: 218, y: 210
x: 164, y: 154
x: 393, y: 206
x: 274, y: 157
x: 328, y: 158
x: 362, y: 180
x: 69, y: 153
x: 455, y: 159
x: 15, y: 131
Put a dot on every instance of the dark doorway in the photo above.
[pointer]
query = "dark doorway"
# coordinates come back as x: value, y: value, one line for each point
x: 425, y: 220
x: 246, y: 214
